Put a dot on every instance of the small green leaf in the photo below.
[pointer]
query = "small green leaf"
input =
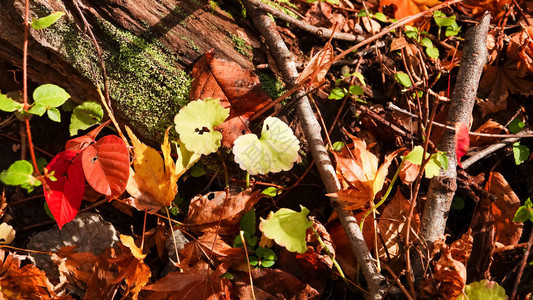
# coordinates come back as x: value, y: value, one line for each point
x: 520, y: 152
x: 265, y: 253
x: 9, y: 105
x: 270, y: 192
x: 516, y: 125
x: 356, y: 90
x: 380, y: 17
x: 336, y: 93
x: 411, y: 32
x: 37, y: 109
x: 195, y: 123
x: 19, y: 173
x: 436, y: 162
x: 248, y: 222
x: 197, y: 171
x: 333, y: 2
x: 267, y: 263
x: 50, y: 95
x: 453, y: 29
x: 426, y: 42
x: 458, y: 203
x: 403, y: 79
x: 361, y: 13
x: 415, y: 156
x: 442, y: 20
x: 253, y: 261
x: 524, y: 212
x: 432, y: 52
x: 337, y: 146
x: 287, y: 228
x: 275, y: 151
x: 54, y: 114
x: 483, y: 290
x: 84, y: 116
x: 47, y: 21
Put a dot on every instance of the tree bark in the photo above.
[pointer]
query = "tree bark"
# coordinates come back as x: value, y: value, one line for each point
x: 147, y: 47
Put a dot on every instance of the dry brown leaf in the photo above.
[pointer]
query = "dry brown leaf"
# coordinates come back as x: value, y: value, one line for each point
x: 497, y: 83
x: 409, y: 172
x: 503, y: 209
x: 132, y: 271
x: 359, y: 167
x: 238, y: 89
x: 75, y: 268
x: 201, y: 248
x: 316, y: 69
x: 393, y: 224
x: 206, y: 211
x: 476, y: 8
x: 449, y: 278
x: 194, y: 283
x: 490, y: 127
x: 521, y: 49
x: 27, y: 282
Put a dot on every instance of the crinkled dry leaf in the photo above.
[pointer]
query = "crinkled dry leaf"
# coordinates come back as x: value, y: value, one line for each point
x: 491, y: 127
x: 449, y: 278
x: 503, y: 209
x: 199, y: 249
x: 521, y: 49
x: 75, y: 268
x: 133, y: 272
x: 194, y: 283
x: 316, y: 69
x: 476, y: 8
x: 206, y: 211
x: 392, y: 224
x: 409, y: 172
x: 359, y: 167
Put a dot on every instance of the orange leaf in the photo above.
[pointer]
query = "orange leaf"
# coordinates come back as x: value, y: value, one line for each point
x: 491, y: 127
x: 406, y: 8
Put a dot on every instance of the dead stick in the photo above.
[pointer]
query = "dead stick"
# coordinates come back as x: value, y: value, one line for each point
x: 442, y: 188
x: 523, y: 264
x: 376, y: 282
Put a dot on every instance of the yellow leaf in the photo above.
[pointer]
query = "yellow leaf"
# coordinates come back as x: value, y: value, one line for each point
x: 130, y: 243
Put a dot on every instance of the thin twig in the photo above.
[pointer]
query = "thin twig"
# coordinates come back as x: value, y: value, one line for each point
x: 490, y: 149
x: 523, y: 264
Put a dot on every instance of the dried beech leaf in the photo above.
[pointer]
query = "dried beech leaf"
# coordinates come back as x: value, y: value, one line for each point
x: 490, y: 127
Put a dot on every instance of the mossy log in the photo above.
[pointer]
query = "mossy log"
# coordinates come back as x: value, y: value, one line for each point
x: 148, y: 46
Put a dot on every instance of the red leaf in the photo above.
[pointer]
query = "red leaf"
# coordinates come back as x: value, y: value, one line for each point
x: 83, y: 141
x: 106, y: 165
x: 462, y: 141
x: 237, y: 88
x: 65, y: 194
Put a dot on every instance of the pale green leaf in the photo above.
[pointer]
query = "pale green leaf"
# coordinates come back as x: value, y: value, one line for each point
x: 520, y: 153
x: 47, y: 21
x: 186, y: 159
x: 380, y: 17
x: 37, y: 109
x: 50, y: 95
x: 54, y: 114
x: 195, y: 124
x: 18, y: 173
x: 336, y: 93
x: 9, y: 105
x: 356, y: 90
x: 270, y: 192
x: 287, y: 228
x: 403, y: 79
x: 337, y: 146
x: 415, y: 156
x: 432, y: 52
x: 84, y: 116
x: 436, y: 162
x: 426, y: 42
x: 483, y: 290
x: 275, y: 151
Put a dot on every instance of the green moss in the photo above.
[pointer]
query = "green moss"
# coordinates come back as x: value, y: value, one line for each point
x: 271, y: 84
x: 191, y: 44
x: 143, y: 78
x: 240, y: 45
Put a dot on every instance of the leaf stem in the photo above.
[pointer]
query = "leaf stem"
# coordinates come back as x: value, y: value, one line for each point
x: 335, y: 263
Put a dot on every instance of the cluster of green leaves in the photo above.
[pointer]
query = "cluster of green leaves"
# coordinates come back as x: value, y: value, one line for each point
x: 377, y: 16
x: 448, y: 22
x: 262, y: 257
x: 436, y: 161
x: 339, y: 91
x: 520, y: 152
x: 524, y: 212
x: 20, y: 173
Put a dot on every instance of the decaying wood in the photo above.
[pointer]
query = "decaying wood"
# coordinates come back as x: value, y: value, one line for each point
x: 147, y: 47
x: 312, y: 130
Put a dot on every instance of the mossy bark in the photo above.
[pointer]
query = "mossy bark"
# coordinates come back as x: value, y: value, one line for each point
x: 148, y: 46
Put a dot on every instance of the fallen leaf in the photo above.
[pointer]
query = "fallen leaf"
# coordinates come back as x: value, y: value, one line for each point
x: 317, y: 68
x: 476, y: 8
x: 406, y: 8
x: 409, y: 172
x: 503, y: 209
x: 462, y: 141
x: 106, y: 165
x: 66, y: 193
x: 489, y: 127
x: 194, y: 283
x: 392, y: 224
x: 27, y: 282
x: 202, y: 247
x: 448, y: 280
x: 497, y: 84
x: 520, y: 49
x: 238, y: 89
x: 206, y: 211
x: 359, y: 167
x: 131, y: 270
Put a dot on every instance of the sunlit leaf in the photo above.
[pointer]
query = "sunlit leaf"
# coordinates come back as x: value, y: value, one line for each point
x: 195, y: 123
x: 84, y: 116
x: 47, y: 21
x: 9, y: 105
x: 7, y: 234
x: 483, y: 290
x: 516, y: 125
x: 50, y: 95
x: 403, y: 79
x: 54, y: 114
x: 37, y: 109
x: 520, y: 153
x: 524, y: 212
x: 275, y: 151
x: 288, y: 228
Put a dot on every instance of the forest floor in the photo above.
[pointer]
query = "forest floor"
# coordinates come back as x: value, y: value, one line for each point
x: 380, y: 107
